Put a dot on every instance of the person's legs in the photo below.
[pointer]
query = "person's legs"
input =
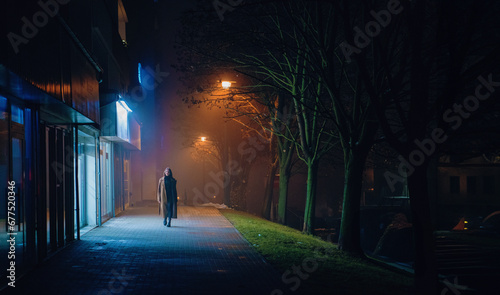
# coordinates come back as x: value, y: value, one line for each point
x: 170, y: 212
x: 164, y: 214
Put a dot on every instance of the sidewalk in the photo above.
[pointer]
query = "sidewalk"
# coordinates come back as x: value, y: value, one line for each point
x: 202, y: 253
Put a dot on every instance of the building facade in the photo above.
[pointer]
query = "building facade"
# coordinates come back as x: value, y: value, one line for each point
x: 63, y: 68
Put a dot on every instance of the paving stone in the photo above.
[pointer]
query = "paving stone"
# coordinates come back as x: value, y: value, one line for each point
x: 202, y: 253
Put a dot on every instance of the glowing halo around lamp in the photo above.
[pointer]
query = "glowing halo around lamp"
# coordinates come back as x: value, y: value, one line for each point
x: 226, y: 84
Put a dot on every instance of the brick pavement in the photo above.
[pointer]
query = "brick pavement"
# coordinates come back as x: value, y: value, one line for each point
x: 202, y: 253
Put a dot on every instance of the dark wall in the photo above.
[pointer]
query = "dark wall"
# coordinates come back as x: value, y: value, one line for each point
x: 49, y: 52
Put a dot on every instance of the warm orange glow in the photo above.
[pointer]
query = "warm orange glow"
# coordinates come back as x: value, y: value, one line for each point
x: 226, y: 84
x: 203, y: 138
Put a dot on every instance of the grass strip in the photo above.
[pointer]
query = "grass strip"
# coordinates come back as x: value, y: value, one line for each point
x: 328, y: 270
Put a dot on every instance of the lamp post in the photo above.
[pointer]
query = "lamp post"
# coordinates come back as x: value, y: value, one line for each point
x: 227, y: 182
x: 203, y: 140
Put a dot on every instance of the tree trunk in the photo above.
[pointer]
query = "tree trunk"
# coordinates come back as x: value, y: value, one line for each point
x: 426, y: 280
x: 283, y: 191
x: 227, y: 189
x: 285, y: 162
x: 239, y: 195
x: 349, y: 238
x: 309, y: 213
x: 269, y: 192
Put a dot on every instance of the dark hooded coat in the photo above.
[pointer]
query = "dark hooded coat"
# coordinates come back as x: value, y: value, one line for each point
x: 166, y: 194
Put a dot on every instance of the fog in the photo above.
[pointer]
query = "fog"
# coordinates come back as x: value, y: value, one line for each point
x: 171, y: 128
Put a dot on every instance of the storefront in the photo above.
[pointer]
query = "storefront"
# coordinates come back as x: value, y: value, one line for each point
x: 49, y: 120
x: 58, y: 176
x: 120, y: 141
x: 16, y: 168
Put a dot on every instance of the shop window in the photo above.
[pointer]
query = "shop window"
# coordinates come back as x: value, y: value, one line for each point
x: 3, y: 108
x: 17, y: 114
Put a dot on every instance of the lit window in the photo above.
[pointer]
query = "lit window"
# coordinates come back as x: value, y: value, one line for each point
x: 3, y: 108
x: 17, y: 114
x: 122, y: 121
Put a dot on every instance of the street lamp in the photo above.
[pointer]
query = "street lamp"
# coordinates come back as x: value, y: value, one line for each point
x: 226, y: 84
x: 225, y: 157
x: 203, y: 139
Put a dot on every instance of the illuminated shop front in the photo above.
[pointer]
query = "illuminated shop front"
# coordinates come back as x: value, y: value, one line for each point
x: 15, y: 156
x: 49, y: 94
x: 120, y: 141
x: 68, y: 178
x: 42, y: 143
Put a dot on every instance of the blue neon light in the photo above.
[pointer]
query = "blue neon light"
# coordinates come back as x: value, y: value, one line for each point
x: 139, y: 73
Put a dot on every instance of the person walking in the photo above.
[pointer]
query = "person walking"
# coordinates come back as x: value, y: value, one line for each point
x: 166, y: 195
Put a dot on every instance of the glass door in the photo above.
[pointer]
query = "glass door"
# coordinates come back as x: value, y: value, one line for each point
x: 4, y: 179
x: 17, y: 177
x: 16, y: 198
x: 87, y: 180
x: 106, y: 181
x: 126, y: 180
x: 82, y: 187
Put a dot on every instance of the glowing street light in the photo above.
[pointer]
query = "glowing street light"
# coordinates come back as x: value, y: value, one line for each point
x: 203, y: 138
x: 226, y: 84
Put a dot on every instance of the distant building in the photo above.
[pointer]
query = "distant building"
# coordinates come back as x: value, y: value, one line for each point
x: 468, y: 188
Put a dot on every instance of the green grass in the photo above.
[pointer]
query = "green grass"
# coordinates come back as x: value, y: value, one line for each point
x: 331, y: 270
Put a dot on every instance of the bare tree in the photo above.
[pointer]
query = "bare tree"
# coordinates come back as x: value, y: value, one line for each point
x: 413, y: 70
